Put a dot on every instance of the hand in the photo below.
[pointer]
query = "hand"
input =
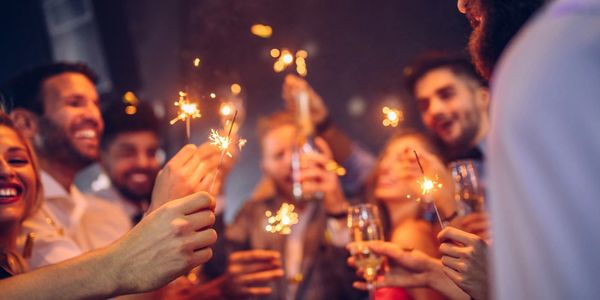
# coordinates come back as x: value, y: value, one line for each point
x: 249, y: 273
x: 191, y: 170
x: 167, y: 243
x: 465, y: 260
x: 292, y: 86
x: 409, y: 269
x: 435, y: 169
x: 316, y: 178
x: 477, y: 223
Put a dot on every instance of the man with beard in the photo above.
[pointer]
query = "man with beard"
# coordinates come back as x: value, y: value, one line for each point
x: 57, y: 109
x: 453, y: 101
x: 128, y: 157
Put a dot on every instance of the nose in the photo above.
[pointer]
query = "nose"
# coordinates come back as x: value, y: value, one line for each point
x: 462, y: 6
x: 143, y: 160
x: 6, y: 171
x: 436, y: 107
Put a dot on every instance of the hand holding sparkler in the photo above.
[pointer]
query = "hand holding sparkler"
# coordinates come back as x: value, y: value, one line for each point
x: 250, y: 273
x: 427, y: 187
x: 186, y: 173
x: 223, y: 143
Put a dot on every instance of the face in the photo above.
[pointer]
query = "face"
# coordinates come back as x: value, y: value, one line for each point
x: 71, y: 127
x: 17, y: 177
x: 398, y: 171
x: 277, y: 146
x: 451, y: 106
x: 131, y: 164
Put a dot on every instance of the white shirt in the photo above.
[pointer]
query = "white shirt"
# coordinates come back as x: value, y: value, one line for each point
x: 544, y: 158
x: 70, y: 223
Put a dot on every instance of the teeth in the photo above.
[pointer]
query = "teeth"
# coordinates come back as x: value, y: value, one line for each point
x: 8, y: 192
x: 139, y: 177
x: 86, y: 133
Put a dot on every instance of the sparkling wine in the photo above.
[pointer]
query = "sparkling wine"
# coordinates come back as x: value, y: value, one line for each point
x: 369, y: 262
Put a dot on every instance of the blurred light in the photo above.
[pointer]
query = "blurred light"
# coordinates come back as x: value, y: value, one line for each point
x: 197, y: 62
x: 213, y: 95
x: 260, y: 30
x: 236, y: 89
x: 278, y: 66
x: 356, y: 106
x: 287, y: 57
x: 130, y: 98
x: 392, y: 116
x: 275, y: 53
x: 130, y: 109
x: 302, y: 53
x: 226, y: 109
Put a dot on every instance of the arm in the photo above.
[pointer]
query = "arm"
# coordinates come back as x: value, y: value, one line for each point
x: 166, y: 244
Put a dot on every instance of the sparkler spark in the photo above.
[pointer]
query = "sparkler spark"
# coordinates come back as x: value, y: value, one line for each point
x: 187, y: 111
x: 285, y: 58
x: 392, y: 116
x: 427, y: 186
x: 282, y: 221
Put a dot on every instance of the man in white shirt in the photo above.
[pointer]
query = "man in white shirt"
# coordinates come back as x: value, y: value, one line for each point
x: 57, y: 108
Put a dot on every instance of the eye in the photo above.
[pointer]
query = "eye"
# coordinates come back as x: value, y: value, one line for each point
x: 18, y: 161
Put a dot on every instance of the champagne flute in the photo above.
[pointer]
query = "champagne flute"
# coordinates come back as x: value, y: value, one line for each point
x: 469, y: 189
x: 365, y: 225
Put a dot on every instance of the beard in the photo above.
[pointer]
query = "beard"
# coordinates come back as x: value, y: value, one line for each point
x: 136, y: 197
x: 52, y: 143
x: 501, y: 21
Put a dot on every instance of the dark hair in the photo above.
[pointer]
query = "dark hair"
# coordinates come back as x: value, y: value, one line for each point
x: 117, y: 120
x: 427, y: 62
x: 24, y: 89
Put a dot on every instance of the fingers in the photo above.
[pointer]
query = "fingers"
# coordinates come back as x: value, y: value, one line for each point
x: 200, y: 257
x: 243, y: 268
x: 255, y: 256
x: 453, y: 250
x: 323, y: 147
x: 200, y: 220
x: 455, y: 276
x: 183, y: 155
x: 203, y: 239
x: 193, y: 203
x: 256, y: 291
x: 259, y: 278
x: 456, y: 264
x: 456, y: 235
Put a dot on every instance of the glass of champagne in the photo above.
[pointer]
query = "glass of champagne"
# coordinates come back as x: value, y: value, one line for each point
x: 469, y: 189
x: 365, y: 225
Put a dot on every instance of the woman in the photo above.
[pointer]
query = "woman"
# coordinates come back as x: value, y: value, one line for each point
x: 410, y: 219
x: 20, y: 193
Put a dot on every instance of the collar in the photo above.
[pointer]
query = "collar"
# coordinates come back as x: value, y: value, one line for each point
x: 66, y: 207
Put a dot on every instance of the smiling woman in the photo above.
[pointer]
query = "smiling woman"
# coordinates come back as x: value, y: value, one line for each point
x: 20, y: 193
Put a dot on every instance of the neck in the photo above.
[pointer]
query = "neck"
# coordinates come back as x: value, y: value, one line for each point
x: 64, y: 174
x: 484, y: 126
x: 9, y: 233
x: 401, y: 210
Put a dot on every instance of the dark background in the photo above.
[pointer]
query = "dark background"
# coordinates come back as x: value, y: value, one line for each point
x: 357, y: 52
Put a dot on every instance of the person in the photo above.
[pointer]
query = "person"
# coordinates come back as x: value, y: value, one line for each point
x: 309, y: 263
x: 543, y: 147
x: 176, y: 236
x: 453, y: 101
x: 397, y: 189
x: 129, y: 158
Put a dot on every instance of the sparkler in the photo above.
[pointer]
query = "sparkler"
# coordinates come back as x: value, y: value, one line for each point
x: 222, y: 143
x: 187, y: 111
x: 282, y: 221
x: 392, y: 116
x: 427, y: 187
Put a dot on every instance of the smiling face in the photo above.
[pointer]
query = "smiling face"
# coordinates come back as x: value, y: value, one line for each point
x: 131, y: 163
x: 452, y: 107
x: 18, y: 180
x: 398, y: 171
x: 71, y: 126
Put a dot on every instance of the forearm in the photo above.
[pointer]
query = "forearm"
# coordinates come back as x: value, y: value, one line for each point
x: 84, y: 277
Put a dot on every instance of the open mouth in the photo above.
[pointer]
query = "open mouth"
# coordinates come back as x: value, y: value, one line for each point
x: 86, y: 134
x: 443, y: 126
x: 139, y: 177
x: 473, y: 19
x: 10, y: 193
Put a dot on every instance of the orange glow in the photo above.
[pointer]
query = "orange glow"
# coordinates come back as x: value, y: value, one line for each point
x: 213, y: 95
x: 197, y: 62
x: 392, y: 117
x: 302, y: 53
x: 130, y: 109
x: 287, y: 58
x: 260, y: 30
x: 236, y: 89
x: 275, y: 53
x: 226, y: 109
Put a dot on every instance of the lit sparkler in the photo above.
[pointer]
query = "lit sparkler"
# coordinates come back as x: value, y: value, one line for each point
x: 282, y: 221
x: 187, y: 111
x: 427, y: 187
x: 333, y: 166
x: 392, y: 116
x: 222, y: 143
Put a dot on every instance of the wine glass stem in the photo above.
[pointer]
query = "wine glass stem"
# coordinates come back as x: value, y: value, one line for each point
x: 371, y: 288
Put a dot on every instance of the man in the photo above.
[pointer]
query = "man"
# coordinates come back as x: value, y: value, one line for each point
x: 453, y: 101
x: 128, y: 157
x: 544, y: 166
x: 56, y: 107
x: 312, y: 256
